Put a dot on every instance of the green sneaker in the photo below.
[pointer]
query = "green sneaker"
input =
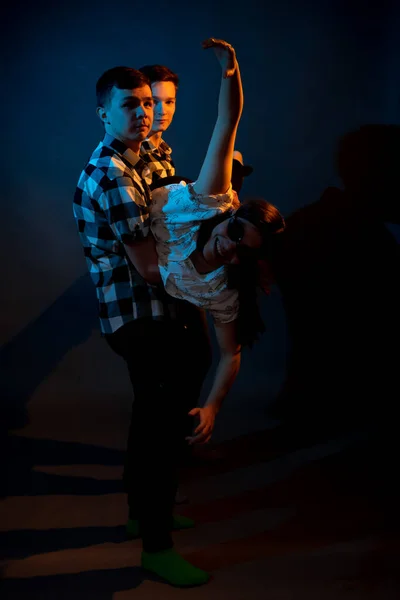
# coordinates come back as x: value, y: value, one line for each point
x: 179, y: 522
x: 172, y: 567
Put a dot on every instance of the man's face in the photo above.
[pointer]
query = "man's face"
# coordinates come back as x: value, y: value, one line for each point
x: 164, y: 96
x: 128, y: 115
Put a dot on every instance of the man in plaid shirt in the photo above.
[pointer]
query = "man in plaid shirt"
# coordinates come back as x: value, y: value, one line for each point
x: 139, y: 321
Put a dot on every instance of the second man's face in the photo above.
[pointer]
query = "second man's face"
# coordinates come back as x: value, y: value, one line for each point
x: 164, y: 96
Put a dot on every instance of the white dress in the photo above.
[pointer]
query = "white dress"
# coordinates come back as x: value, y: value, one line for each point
x: 175, y: 218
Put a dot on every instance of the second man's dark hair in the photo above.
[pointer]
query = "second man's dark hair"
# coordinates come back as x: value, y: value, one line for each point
x: 157, y: 73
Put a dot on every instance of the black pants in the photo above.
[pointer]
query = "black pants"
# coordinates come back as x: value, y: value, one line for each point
x: 167, y: 363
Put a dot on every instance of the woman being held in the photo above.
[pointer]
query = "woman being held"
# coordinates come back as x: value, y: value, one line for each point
x: 210, y: 247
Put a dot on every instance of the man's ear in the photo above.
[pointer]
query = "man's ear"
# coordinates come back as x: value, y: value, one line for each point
x: 102, y: 114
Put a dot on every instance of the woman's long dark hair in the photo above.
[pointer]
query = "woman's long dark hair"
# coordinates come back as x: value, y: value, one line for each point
x: 246, y: 276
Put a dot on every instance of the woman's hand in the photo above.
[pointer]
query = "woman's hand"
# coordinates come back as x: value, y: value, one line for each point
x: 203, y: 431
x: 225, y: 54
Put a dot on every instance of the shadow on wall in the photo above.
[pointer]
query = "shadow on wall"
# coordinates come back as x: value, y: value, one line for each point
x: 338, y: 271
x: 31, y: 355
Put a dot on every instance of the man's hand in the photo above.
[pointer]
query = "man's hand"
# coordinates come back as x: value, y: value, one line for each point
x: 203, y: 431
x: 225, y: 54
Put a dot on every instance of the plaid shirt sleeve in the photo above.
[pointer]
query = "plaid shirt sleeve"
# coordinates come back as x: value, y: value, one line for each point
x: 125, y: 207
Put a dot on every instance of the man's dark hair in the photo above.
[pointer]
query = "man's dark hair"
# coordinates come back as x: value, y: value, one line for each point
x: 123, y: 78
x: 160, y: 73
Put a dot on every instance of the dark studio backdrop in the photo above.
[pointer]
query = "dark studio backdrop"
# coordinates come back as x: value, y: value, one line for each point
x: 311, y: 71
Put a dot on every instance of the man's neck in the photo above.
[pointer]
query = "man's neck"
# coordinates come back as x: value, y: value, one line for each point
x: 156, y: 138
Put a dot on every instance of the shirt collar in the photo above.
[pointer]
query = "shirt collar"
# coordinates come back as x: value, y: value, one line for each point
x: 148, y: 146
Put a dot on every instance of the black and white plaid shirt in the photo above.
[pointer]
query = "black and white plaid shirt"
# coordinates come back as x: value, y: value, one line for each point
x: 111, y: 207
x: 159, y: 160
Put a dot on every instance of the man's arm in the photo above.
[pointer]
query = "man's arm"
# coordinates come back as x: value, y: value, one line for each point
x: 125, y: 207
x: 227, y: 370
x: 216, y: 172
x: 143, y: 256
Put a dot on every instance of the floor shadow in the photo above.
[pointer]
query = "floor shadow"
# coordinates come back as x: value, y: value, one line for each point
x: 101, y: 585
x: 27, y: 542
x: 23, y: 454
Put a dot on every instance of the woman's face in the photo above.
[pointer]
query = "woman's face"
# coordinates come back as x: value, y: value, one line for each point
x: 230, y: 240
